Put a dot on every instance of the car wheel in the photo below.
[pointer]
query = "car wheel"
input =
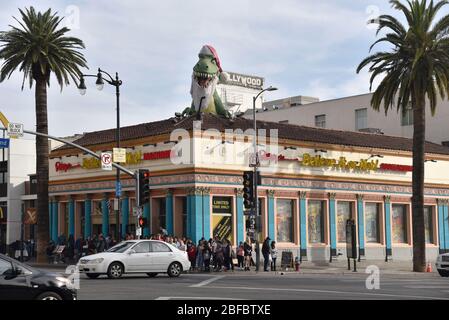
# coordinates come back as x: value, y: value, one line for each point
x: 174, y: 270
x: 92, y: 275
x: 49, y: 296
x: 443, y: 273
x: 152, y: 274
x: 115, y: 270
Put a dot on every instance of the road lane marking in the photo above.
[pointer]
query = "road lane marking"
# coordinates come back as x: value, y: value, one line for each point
x: 330, y: 291
x: 206, y: 282
x: 427, y: 287
x: 196, y: 298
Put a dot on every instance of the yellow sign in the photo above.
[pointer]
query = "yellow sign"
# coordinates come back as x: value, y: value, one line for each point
x: 91, y: 163
x: 341, y: 163
x: 134, y: 157
x: 119, y: 155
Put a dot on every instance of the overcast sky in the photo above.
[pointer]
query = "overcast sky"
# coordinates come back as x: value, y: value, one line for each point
x: 303, y: 47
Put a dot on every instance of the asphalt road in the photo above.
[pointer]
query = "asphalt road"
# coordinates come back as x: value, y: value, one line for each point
x: 240, y: 285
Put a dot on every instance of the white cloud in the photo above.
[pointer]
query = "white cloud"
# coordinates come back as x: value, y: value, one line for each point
x: 302, y: 47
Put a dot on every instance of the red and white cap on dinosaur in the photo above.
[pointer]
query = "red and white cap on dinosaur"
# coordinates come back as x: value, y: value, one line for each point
x: 209, y: 50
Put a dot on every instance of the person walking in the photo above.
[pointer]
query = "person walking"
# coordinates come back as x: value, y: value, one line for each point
x: 240, y: 255
x: 266, y: 253
x: 274, y: 253
x: 226, y: 255
x: 200, y: 260
x: 206, y: 256
x: 248, y: 253
x: 219, y: 255
x: 191, y: 253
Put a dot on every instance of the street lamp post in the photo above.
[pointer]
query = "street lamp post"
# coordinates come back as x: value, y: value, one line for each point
x: 256, y: 165
x: 100, y: 84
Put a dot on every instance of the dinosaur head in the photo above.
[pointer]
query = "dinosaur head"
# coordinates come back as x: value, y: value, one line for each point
x: 208, y: 67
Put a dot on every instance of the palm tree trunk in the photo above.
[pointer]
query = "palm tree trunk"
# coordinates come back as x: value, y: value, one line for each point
x: 42, y: 150
x: 419, y: 134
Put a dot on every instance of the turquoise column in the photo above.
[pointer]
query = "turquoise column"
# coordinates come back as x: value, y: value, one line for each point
x: 87, y: 218
x: 361, y: 225
x: 72, y: 218
x: 54, y: 221
x: 240, y: 216
x: 333, y: 225
x: 303, y: 224
x: 125, y: 216
x: 446, y: 226
x: 206, y: 213
x: 196, y: 212
x: 387, y: 210
x: 50, y: 219
x: 441, y: 237
x: 105, y: 214
x: 147, y: 214
x: 189, y: 216
x: 169, y: 212
x: 271, y: 215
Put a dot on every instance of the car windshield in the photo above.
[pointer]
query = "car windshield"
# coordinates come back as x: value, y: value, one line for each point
x: 121, y: 247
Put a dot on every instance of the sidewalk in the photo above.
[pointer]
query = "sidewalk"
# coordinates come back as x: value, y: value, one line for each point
x: 307, y: 267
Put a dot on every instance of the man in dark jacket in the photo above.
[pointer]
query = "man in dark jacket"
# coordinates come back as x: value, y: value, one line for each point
x: 266, y: 253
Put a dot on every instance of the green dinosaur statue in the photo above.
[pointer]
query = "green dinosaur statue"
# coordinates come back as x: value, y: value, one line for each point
x: 205, y: 77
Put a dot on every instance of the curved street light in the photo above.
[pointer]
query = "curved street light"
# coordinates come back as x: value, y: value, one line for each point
x: 100, y: 85
x: 256, y: 164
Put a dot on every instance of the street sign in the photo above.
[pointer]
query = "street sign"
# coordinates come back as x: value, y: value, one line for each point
x: 4, y: 143
x: 254, y: 160
x: 138, y: 231
x: 118, y: 189
x: 119, y: 155
x: 15, y: 130
x: 106, y: 161
x: 250, y: 212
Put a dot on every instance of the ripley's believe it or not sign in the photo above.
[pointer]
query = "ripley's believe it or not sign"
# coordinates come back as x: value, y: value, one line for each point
x: 340, y: 163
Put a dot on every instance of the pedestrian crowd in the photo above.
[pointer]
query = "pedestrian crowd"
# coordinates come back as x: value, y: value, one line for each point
x: 214, y: 254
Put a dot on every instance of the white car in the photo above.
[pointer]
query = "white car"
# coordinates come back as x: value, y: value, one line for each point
x: 442, y: 264
x: 136, y: 256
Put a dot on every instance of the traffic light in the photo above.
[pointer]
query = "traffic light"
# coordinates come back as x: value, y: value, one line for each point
x: 248, y: 189
x: 143, y: 187
x: 142, y: 222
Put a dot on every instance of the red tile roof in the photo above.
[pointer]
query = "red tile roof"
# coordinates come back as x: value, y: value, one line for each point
x: 285, y: 131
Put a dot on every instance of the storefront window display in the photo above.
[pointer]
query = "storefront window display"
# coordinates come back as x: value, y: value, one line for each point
x: 222, y: 217
x: 399, y: 221
x: 316, y: 221
x: 428, y: 224
x: 284, y: 220
x: 344, y: 213
x: 372, y: 214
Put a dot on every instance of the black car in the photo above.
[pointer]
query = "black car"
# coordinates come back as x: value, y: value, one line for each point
x: 21, y: 282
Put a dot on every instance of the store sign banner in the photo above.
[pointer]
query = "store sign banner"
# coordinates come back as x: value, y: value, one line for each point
x: 223, y: 228
x: 222, y: 205
x: 61, y: 166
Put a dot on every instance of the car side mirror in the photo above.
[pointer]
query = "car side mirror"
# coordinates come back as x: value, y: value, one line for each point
x: 131, y: 251
x: 11, y: 273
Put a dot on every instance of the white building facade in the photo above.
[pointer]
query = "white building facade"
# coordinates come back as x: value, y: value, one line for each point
x: 355, y: 114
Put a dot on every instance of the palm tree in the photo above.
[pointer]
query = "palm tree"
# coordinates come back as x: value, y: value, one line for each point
x: 38, y: 48
x: 414, y: 69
